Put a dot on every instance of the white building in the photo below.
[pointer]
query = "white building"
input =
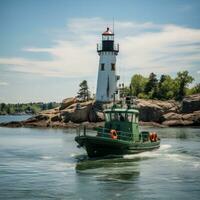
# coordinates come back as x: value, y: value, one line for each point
x: 107, y: 78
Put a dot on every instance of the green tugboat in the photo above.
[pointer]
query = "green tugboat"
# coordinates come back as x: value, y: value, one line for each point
x: 120, y: 135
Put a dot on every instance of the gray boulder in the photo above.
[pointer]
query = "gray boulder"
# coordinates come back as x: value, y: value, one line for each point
x: 95, y: 115
x: 191, y: 103
x: 174, y: 119
x: 67, y: 102
x: 77, y: 115
x: 153, y: 110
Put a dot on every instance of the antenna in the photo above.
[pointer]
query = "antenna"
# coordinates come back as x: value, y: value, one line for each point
x: 113, y: 25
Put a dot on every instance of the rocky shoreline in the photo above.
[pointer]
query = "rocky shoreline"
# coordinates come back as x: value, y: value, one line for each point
x: 72, y: 114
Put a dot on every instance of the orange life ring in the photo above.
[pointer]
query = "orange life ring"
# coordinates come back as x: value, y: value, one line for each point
x: 153, y: 136
x: 113, y: 134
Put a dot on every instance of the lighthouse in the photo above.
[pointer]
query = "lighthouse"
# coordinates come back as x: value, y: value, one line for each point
x: 107, y: 78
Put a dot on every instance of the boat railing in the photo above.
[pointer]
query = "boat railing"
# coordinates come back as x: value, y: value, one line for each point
x: 123, y: 135
x: 104, y: 132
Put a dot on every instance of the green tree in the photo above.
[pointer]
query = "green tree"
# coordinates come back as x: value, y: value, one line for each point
x: 124, y: 91
x: 3, y: 107
x: 183, y: 79
x: 44, y: 106
x: 50, y: 105
x: 138, y: 83
x: 8, y: 110
x: 84, y: 93
x: 166, y: 88
x: 194, y: 90
x: 151, y: 87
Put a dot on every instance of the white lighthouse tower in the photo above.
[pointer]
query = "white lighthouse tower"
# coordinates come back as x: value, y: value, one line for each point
x: 107, y: 78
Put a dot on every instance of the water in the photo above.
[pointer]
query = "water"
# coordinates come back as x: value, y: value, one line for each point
x: 45, y: 164
x: 7, y: 118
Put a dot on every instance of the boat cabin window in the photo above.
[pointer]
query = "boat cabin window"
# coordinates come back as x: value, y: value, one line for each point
x: 122, y: 117
x: 118, y: 116
x: 133, y: 118
x: 136, y: 118
x: 107, y: 116
x: 129, y: 117
x: 114, y: 117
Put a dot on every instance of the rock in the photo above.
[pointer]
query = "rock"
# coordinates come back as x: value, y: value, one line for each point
x: 191, y: 103
x: 149, y: 111
x: 95, y: 115
x: 194, y: 117
x: 67, y: 102
x: 77, y: 115
x: 153, y: 110
x: 171, y: 116
x: 12, y: 124
x: 178, y: 122
x: 93, y: 125
x: 174, y: 119
x: 50, y: 111
x: 40, y: 117
x: 151, y: 124
x: 56, y: 118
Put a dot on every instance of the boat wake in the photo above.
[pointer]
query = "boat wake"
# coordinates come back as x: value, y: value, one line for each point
x: 150, y: 154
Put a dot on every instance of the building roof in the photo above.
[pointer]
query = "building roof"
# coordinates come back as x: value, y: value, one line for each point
x: 107, y: 32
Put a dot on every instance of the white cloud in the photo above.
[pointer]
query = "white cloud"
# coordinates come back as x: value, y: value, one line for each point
x: 170, y: 49
x: 144, y: 47
x: 3, y: 83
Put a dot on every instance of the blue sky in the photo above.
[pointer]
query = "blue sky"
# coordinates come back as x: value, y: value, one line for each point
x: 48, y: 47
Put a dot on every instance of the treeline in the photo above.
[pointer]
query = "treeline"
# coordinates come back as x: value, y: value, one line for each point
x: 25, y: 108
x: 164, y: 88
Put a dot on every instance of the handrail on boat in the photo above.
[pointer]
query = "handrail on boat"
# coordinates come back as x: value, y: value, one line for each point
x: 121, y: 134
x: 105, y: 132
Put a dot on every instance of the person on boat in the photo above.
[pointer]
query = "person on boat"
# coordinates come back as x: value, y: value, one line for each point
x: 121, y: 117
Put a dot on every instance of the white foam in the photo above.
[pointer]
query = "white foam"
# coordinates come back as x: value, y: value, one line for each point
x: 149, y: 154
x: 176, y: 157
x: 118, y: 195
x: 63, y: 166
x: 187, y: 159
x: 165, y: 146
x: 196, y: 165
x: 46, y: 157
x: 73, y: 155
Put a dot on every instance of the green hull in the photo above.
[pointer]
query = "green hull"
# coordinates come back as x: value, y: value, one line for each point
x: 102, y: 146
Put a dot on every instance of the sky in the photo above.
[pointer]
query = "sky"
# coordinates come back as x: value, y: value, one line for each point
x: 48, y: 47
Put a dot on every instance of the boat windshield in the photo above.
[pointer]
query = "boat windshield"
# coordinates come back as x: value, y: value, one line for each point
x: 107, y: 117
x: 121, y: 116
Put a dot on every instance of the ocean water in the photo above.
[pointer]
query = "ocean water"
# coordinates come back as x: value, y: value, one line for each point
x: 8, y: 118
x: 46, y: 164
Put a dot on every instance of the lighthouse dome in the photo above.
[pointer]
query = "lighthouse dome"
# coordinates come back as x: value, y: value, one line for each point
x: 107, y: 32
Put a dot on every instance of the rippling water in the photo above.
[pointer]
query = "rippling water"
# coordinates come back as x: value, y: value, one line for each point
x: 46, y: 164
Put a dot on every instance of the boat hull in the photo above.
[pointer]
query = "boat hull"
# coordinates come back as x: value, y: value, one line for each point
x: 102, y: 146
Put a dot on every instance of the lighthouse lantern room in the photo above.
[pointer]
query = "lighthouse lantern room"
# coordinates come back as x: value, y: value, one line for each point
x: 107, y: 78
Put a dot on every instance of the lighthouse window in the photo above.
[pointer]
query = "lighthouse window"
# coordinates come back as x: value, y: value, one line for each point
x: 102, y: 66
x: 113, y: 66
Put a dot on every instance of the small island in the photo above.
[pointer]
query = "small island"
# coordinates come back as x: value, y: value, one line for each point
x: 167, y: 102
x: 72, y: 113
